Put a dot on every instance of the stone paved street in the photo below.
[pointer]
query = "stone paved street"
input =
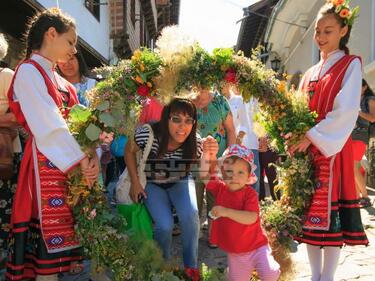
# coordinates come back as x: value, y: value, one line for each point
x: 356, y: 263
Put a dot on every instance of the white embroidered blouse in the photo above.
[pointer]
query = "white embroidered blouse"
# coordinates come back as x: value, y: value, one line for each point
x: 51, y: 133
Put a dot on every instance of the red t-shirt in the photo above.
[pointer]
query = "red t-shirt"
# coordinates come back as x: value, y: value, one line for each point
x: 229, y: 235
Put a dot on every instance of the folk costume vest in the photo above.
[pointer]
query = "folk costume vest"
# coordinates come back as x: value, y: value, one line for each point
x: 333, y: 218
x: 40, y: 213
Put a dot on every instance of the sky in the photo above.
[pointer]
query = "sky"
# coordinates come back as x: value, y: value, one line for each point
x: 213, y: 22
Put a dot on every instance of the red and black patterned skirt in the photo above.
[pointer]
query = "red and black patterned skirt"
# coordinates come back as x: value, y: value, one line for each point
x: 51, y: 227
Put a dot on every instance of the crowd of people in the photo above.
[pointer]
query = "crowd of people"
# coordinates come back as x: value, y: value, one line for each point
x: 212, y: 130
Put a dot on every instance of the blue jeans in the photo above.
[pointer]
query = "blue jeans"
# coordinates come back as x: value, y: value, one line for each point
x: 159, y: 203
x: 256, y: 185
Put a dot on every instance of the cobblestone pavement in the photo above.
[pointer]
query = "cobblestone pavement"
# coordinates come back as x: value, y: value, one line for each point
x: 356, y: 263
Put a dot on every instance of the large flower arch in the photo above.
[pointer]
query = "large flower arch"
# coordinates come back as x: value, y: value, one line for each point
x: 176, y: 67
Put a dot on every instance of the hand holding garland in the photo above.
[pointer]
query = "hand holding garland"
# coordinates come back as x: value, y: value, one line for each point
x: 136, y: 190
x: 90, y: 169
x: 300, y: 146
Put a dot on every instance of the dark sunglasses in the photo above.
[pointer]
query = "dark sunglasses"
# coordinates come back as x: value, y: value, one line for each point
x: 179, y: 120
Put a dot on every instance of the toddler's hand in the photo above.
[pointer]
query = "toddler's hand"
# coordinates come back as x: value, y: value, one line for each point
x: 210, y: 146
x: 218, y: 211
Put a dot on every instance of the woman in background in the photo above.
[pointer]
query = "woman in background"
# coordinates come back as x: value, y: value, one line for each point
x: 75, y: 71
x: 360, y: 136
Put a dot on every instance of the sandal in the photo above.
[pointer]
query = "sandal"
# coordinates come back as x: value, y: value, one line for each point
x: 365, y: 202
x: 75, y: 268
x: 211, y: 246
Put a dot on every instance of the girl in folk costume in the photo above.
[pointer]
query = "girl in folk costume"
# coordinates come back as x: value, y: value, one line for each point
x: 334, y: 87
x: 42, y: 240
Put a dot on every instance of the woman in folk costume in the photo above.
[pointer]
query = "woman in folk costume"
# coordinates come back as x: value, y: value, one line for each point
x: 42, y: 240
x: 334, y: 87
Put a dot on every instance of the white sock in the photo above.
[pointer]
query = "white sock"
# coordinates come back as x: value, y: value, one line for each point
x: 315, y: 255
x: 52, y: 277
x: 330, y: 263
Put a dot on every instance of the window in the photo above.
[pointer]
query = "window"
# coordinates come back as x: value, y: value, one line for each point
x: 94, y: 7
x: 132, y: 11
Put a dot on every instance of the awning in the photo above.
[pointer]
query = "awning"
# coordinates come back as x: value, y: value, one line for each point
x: 149, y: 10
x: 253, y: 26
x: 288, y: 18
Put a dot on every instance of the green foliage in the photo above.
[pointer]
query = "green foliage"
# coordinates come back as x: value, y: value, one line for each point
x: 283, y: 219
x: 147, y: 259
x: 199, y: 72
x: 211, y: 274
x: 79, y: 113
x: 92, y: 132
x: 107, y: 119
x: 224, y: 57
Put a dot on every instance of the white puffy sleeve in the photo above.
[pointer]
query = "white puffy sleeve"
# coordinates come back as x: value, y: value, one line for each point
x: 51, y: 133
x: 331, y: 133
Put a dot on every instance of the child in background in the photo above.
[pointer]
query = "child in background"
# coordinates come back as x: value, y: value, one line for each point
x: 236, y: 227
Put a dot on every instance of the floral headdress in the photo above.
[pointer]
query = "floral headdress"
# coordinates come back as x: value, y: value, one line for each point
x: 344, y: 11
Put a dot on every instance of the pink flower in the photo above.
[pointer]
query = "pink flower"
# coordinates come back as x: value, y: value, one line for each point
x: 92, y: 214
x: 143, y: 90
x: 230, y: 76
x: 105, y: 137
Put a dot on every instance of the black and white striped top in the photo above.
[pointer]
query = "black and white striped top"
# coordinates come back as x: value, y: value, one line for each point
x: 171, y: 167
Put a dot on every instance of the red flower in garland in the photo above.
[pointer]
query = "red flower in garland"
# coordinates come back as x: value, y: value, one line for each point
x: 230, y: 76
x: 143, y: 90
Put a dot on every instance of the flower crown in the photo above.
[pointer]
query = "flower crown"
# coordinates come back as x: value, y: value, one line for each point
x: 344, y: 11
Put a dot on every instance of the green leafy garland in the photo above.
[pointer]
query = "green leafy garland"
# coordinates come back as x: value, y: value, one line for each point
x: 282, y: 112
x: 115, y: 107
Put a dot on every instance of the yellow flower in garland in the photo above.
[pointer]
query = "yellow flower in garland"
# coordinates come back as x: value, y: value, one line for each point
x: 138, y: 79
x: 136, y: 55
x: 281, y: 87
x: 224, y: 67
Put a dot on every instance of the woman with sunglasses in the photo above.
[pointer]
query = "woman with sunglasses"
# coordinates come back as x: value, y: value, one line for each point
x: 175, y: 149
